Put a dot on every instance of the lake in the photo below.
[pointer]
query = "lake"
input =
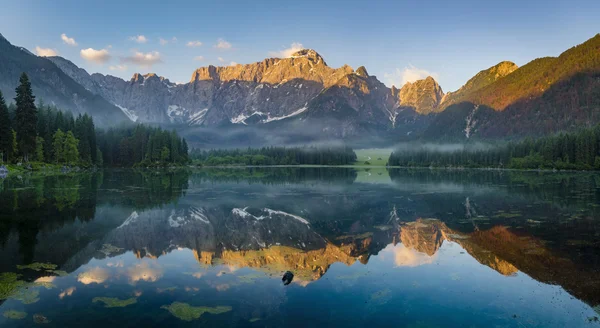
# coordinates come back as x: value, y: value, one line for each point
x: 404, y: 248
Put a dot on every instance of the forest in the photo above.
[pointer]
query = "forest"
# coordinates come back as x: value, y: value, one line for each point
x: 565, y: 151
x: 309, y: 155
x: 39, y: 133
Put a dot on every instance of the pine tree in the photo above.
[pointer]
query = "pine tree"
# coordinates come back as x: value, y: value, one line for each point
x: 39, y: 149
x: 5, y: 131
x: 57, y: 144
x: 14, y: 146
x: 70, y: 148
x: 26, y: 117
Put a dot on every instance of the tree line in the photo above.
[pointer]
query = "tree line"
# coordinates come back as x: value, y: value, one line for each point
x: 309, y: 155
x: 43, y: 133
x: 565, y: 151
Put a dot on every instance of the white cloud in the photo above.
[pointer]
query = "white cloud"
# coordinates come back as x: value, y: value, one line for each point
x: 95, y: 275
x: 199, y: 58
x: 409, y: 74
x: 194, y: 43
x: 233, y: 63
x: 221, y: 59
x: 143, y: 59
x: 164, y: 42
x: 296, y: 46
x: 118, y: 67
x: 97, y: 56
x: 67, y: 292
x: 139, y: 39
x: 68, y: 40
x: 223, y: 45
x: 45, y: 52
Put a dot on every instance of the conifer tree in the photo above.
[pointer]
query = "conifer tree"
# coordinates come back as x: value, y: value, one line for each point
x: 70, y: 148
x: 39, y: 149
x: 5, y: 131
x: 57, y: 144
x: 25, y: 117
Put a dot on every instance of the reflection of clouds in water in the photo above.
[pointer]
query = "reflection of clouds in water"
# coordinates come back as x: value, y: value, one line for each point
x: 95, y: 275
x: 145, y: 272
x: 118, y: 264
x: 222, y: 287
x: 46, y: 279
x: 67, y: 292
x: 197, y: 274
x: 137, y: 293
x: 407, y: 257
x: 302, y: 283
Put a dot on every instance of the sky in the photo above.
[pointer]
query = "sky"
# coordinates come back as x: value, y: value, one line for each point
x: 398, y: 41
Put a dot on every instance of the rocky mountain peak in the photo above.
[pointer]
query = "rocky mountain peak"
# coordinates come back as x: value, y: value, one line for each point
x: 310, y: 54
x: 480, y: 81
x: 362, y: 71
x: 137, y: 78
x: 424, y: 96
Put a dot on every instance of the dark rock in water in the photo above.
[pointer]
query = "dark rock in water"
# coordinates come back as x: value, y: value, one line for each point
x: 40, y: 319
x: 287, y: 278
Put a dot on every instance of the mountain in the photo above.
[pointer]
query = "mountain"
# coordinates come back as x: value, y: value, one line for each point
x: 545, y: 96
x: 51, y: 84
x: 340, y: 101
x: 301, y: 99
x: 424, y: 96
x: 479, y: 81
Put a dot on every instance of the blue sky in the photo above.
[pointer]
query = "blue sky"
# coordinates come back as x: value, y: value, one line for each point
x: 394, y: 40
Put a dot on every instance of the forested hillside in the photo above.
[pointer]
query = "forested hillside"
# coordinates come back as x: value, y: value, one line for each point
x: 577, y: 151
x: 44, y: 134
x: 276, y: 156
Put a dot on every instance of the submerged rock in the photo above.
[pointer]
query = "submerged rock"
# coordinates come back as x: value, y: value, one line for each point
x: 113, y: 302
x: 40, y: 319
x: 287, y: 278
x: 15, y: 315
x: 187, y: 312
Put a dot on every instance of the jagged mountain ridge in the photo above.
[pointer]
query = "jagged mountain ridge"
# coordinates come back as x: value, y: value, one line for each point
x: 51, y: 84
x: 303, y: 91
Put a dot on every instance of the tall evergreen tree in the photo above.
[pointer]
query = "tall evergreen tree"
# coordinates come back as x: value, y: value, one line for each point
x: 5, y: 131
x: 25, y: 117
x: 39, y: 149
x: 57, y: 144
x: 70, y: 148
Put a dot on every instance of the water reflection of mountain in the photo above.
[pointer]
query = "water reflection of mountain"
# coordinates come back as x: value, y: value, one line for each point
x: 508, y: 224
x: 276, y: 241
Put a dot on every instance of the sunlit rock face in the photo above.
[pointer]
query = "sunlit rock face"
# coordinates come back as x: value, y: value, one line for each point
x: 425, y: 236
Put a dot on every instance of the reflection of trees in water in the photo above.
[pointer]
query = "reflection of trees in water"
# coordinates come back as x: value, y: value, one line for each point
x: 276, y: 175
x: 557, y: 187
x: 35, y: 203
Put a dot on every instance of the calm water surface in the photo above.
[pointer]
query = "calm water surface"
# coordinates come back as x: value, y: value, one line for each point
x: 406, y: 248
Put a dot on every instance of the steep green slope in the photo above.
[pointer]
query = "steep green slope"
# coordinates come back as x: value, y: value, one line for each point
x: 52, y: 85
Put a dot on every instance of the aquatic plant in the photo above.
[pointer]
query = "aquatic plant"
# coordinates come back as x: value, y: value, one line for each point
x: 59, y: 273
x: 37, y: 266
x: 108, y: 249
x: 40, y: 319
x: 113, y: 302
x: 26, y: 295
x: 187, y: 312
x: 16, y: 315
x: 9, y: 284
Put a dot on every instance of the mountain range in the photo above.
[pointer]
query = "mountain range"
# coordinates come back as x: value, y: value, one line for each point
x: 302, y: 99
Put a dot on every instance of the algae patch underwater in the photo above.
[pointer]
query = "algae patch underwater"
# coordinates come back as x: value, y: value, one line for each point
x: 187, y: 312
